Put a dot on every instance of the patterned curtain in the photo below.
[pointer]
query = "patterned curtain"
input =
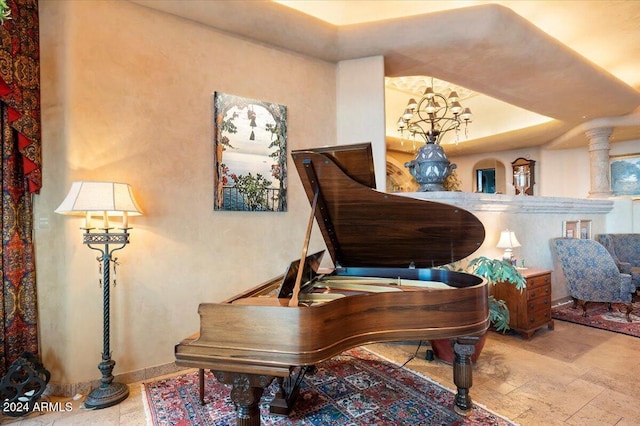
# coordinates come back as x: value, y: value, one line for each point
x: 21, y: 176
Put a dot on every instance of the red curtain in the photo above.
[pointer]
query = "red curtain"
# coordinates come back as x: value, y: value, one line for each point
x: 21, y: 176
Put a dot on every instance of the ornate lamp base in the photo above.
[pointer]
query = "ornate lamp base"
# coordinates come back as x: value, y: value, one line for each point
x: 107, y: 395
x: 109, y: 392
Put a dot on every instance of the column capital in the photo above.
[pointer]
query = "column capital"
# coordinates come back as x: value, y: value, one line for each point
x: 599, y: 134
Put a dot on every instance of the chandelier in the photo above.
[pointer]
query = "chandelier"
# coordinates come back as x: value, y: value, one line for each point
x: 433, y: 116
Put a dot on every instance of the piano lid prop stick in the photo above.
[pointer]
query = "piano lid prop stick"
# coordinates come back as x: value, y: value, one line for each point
x: 305, y: 246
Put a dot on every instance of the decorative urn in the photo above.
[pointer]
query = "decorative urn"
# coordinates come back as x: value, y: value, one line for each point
x: 430, y: 167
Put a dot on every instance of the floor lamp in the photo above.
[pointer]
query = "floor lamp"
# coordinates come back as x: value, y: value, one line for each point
x: 104, y: 199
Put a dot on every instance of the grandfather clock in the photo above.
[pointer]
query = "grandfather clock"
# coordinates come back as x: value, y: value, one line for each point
x: 528, y: 167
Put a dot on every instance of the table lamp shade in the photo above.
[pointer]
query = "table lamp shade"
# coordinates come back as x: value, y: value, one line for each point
x: 99, y: 197
x: 508, y: 240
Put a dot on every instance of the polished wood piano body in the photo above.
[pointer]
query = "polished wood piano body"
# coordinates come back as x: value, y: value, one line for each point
x: 383, y: 288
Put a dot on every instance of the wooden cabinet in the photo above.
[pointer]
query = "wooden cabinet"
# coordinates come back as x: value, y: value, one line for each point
x: 529, y: 309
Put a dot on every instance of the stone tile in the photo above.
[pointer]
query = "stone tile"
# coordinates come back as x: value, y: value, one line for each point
x: 505, y: 405
x: 518, y: 407
x: 498, y: 386
x: 134, y: 418
x: 39, y: 420
x: 132, y: 403
x: 627, y: 422
x: 565, y: 398
x: 590, y: 415
x: 540, y: 417
x: 622, y: 404
x: 104, y: 417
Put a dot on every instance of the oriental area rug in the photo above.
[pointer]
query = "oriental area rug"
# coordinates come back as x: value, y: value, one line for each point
x: 354, y: 388
x: 599, y: 316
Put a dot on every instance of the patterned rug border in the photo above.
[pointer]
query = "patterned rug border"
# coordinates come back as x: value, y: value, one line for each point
x: 635, y: 315
x: 148, y: 419
x: 149, y: 416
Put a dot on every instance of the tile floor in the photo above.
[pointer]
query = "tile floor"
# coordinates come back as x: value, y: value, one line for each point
x: 573, y: 375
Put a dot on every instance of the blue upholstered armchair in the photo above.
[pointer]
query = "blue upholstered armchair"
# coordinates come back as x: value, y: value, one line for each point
x: 592, y: 274
x: 625, y: 250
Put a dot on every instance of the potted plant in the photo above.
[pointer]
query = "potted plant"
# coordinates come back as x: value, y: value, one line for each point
x: 494, y: 271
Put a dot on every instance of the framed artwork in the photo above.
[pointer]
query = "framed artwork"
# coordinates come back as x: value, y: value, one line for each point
x: 585, y: 229
x: 625, y: 175
x: 250, y: 155
x: 570, y: 229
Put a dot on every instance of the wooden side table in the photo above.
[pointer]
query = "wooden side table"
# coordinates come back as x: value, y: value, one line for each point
x: 530, y: 309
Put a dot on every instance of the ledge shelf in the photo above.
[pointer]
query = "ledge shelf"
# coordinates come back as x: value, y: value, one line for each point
x: 476, y: 202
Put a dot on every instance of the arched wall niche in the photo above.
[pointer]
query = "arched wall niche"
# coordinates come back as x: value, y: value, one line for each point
x: 398, y: 177
x: 489, y: 175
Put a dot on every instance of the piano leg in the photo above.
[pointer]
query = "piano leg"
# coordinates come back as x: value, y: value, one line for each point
x: 201, y: 385
x: 463, y: 348
x: 246, y: 391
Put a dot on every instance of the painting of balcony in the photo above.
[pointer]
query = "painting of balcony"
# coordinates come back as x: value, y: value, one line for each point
x: 250, y: 172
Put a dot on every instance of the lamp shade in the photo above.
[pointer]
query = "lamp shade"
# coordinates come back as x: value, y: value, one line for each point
x: 114, y: 198
x: 508, y: 240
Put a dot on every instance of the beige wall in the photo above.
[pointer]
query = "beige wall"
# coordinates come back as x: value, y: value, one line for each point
x: 360, y: 108
x: 127, y: 96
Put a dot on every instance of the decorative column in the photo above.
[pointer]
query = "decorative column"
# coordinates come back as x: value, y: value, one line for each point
x: 599, y: 162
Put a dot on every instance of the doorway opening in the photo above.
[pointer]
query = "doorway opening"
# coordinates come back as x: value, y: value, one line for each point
x: 489, y: 176
x: 486, y: 181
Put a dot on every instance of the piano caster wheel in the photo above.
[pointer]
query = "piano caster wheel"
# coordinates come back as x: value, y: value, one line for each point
x: 430, y: 356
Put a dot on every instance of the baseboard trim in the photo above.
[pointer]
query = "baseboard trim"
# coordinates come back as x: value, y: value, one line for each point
x: 83, y: 388
x: 561, y: 301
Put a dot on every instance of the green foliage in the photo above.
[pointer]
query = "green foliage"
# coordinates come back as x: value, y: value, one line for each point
x: 5, y: 12
x: 255, y: 189
x: 278, y: 143
x: 229, y: 127
x: 499, y: 314
x: 452, y: 182
x: 496, y: 271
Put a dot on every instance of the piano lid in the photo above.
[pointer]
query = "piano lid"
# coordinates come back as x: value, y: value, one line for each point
x: 363, y: 227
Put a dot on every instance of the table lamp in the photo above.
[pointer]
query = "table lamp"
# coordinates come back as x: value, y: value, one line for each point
x: 507, y: 242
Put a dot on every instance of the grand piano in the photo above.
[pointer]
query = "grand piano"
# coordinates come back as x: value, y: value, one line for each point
x: 383, y: 286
